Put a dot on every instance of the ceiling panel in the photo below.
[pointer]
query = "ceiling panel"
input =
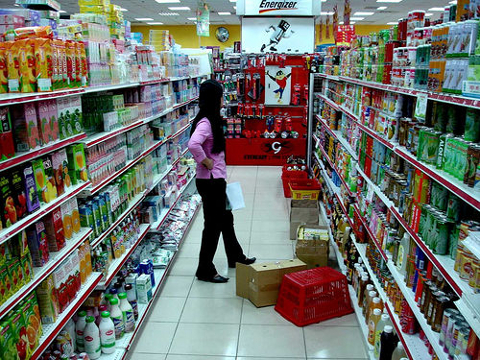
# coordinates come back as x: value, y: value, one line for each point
x: 151, y: 9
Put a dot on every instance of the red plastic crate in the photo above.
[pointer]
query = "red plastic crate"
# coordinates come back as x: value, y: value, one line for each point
x: 304, y: 189
x: 310, y: 296
x: 290, y: 176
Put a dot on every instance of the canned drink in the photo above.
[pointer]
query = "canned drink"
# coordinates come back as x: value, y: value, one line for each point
x: 449, y: 333
x: 442, y: 233
x: 447, y: 314
x: 453, y: 207
x: 466, y: 266
x: 456, y: 334
x: 473, y: 161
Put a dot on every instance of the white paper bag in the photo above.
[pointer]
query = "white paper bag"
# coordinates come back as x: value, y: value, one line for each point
x: 235, y: 196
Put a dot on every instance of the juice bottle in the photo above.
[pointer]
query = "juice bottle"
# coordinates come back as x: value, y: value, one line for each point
x: 372, y: 325
x: 127, y: 311
x: 376, y: 303
x: 367, y: 301
x: 361, y: 288
x: 79, y: 329
x: 132, y: 299
x: 92, y: 339
x: 107, y: 333
x: 384, y: 320
x: 388, y: 343
x: 367, y: 290
x: 403, y: 250
x: 117, y: 317
x: 399, y: 352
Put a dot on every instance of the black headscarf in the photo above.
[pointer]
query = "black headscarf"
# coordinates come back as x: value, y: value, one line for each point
x: 211, y: 93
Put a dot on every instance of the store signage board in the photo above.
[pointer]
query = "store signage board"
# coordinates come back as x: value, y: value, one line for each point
x: 290, y: 35
x: 278, y: 7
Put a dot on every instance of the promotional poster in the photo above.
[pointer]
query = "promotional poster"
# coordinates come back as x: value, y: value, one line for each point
x: 278, y: 35
x: 277, y: 85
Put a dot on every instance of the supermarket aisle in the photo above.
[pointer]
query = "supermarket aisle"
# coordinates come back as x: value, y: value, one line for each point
x: 194, y: 320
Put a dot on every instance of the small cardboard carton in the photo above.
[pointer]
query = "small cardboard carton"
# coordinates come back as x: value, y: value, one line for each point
x: 313, y: 251
x: 260, y: 283
x: 302, y: 212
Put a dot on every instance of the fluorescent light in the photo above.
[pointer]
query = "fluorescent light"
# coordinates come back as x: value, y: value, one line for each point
x: 224, y: 13
x: 166, y: 13
x: 429, y: 14
x: 179, y: 8
x: 381, y: 8
x: 155, y: 23
x: 326, y: 13
x: 436, y: 9
x: 144, y: 19
x: 363, y: 13
x: 233, y: 0
x: 62, y: 11
x: 389, y: 1
x: 123, y: 9
x: 392, y: 23
x: 192, y: 19
x: 235, y: 7
x: 167, y: 1
x: 357, y: 18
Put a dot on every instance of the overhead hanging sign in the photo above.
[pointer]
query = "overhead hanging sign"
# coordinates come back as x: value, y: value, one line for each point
x: 278, y: 7
x: 203, y: 20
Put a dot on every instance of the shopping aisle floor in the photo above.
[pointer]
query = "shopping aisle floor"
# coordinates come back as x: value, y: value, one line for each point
x: 195, y: 320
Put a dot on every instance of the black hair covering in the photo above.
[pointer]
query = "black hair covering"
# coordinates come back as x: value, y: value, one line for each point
x: 211, y: 93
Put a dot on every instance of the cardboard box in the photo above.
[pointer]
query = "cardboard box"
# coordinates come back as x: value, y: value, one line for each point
x: 260, y: 283
x: 302, y: 212
x: 314, y: 252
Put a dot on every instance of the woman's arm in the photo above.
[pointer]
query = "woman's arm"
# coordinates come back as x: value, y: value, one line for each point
x: 202, y: 131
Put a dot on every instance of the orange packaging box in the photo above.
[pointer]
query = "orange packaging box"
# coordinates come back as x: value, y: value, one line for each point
x: 13, y: 71
x: 28, y: 80
x: 43, y: 64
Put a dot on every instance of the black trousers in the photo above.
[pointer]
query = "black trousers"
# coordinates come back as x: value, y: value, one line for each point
x: 217, y: 220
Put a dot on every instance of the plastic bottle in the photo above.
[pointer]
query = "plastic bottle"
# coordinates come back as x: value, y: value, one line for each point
x: 361, y: 289
x: 384, y: 320
x: 387, y: 343
x: 114, y: 293
x: 367, y: 290
x: 399, y: 352
x: 70, y: 327
x: 127, y: 311
x: 372, y: 325
x: 376, y: 303
x: 117, y: 317
x: 101, y: 309
x: 79, y: 329
x: 132, y: 299
x: 107, y: 333
x: 366, y: 304
x: 107, y: 299
x: 92, y: 339
x: 403, y: 250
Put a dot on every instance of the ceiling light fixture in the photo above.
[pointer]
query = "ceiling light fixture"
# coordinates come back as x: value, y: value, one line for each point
x: 144, y: 19
x: 389, y: 1
x: 155, y: 23
x: 381, y: 8
x: 392, y: 23
x: 167, y: 1
x: 179, y: 8
x: 166, y: 13
x: 326, y: 13
x: 233, y: 1
x: 363, y: 13
x: 235, y: 7
x: 192, y: 18
x: 357, y: 18
x: 224, y: 13
x: 453, y: 2
x: 429, y: 14
x: 436, y: 9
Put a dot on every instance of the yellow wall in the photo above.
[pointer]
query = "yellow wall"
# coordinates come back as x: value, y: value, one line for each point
x: 186, y: 35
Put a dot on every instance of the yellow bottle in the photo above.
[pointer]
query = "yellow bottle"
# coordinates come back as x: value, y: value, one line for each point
x: 372, y: 325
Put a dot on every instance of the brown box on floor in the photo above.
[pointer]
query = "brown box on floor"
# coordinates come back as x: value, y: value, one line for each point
x: 260, y: 283
x: 314, y: 252
x: 302, y: 212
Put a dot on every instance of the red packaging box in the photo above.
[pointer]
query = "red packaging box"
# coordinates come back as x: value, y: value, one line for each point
x: 38, y: 245
x: 10, y: 19
x: 54, y: 230
x: 18, y: 193
x: 7, y: 145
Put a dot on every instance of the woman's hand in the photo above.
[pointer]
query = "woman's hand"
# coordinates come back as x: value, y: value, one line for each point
x: 208, y: 163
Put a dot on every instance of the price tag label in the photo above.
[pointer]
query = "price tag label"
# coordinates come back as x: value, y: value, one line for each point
x: 421, y: 107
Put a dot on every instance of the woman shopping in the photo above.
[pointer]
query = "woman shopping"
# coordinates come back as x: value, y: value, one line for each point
x: 207, y: 145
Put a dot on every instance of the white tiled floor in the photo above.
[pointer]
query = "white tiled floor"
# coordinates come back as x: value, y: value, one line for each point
x: 194, y: 320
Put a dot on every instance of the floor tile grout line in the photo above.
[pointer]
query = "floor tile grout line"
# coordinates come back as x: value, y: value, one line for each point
x: 239, y: 329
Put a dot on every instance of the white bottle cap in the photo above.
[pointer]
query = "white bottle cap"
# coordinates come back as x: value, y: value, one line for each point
x: 388, y: 329
x: 376, y: 300
x: 377, y: 312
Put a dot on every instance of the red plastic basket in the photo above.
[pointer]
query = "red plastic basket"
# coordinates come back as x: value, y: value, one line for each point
x: 304, y: 189
x: 310, y: 296
x: 291, y: 175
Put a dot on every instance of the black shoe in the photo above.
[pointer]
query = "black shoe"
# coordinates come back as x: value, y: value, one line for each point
x: 216, y: 279
x: 247, y: 261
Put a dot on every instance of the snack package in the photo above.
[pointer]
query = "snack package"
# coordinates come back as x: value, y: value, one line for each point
x: 54, y: 229
x: 30, y: 189
x: 38, y: 245
x: 19, y: 195
x: 24, y: 121
x: 7, y: 145
x: 52, y: 193
x: 32, y: 32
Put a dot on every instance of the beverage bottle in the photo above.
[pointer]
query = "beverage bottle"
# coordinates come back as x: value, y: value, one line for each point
x: 107, y: 333
x: 114, y: 293
x: 70, y: 327
x: 372, y: 325
x: 92, y: 339
x: 376, y: 303
x: 384, y: 320
x: 388, y: 343
x: 399, y: 352
x: 366, y: 304
x: 127, y: 312
x: 361, y: 289
x: 79, y: 329
x: 132, y: 299
x: 101, y: 309
x: 107, y: 299
x: 117, y: 317
x: 367, y: 290
x: 403, y: 250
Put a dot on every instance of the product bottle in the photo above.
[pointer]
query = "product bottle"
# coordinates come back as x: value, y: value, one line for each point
x: 372, y: 325
x: 127, y: 312
x: 132, y: 299
x: 361, y: 289
x: 70, y: 327
x: 366, y: 304
x: 384, y: 320
x: 107, y: 333
x: 117, y: 318
x: 107, y: 299
x: 403, y: 250
x: 387, y: 343
x: 79, y: 329
x: 114, y: 293
x: 376, y: 303
x: 367, y: 290
x: 92, y: 339
x: 101, y: 309
x: 399, y: 352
